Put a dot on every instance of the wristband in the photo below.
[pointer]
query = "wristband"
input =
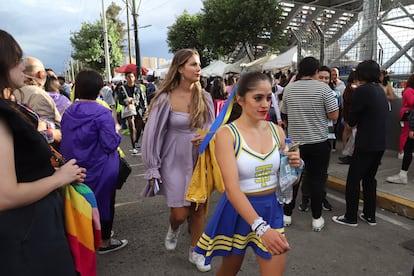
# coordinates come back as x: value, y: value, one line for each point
x: 257, y: 222
x: 262, y: 229
x: 302, y: 166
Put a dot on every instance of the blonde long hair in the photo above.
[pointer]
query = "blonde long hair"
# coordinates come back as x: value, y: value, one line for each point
x: 199, y: 111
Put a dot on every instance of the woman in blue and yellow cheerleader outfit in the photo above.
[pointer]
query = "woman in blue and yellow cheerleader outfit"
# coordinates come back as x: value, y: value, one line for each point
x: 248, y: 213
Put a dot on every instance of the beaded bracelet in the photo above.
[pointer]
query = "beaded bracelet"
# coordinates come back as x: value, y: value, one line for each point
x: 262, y: 229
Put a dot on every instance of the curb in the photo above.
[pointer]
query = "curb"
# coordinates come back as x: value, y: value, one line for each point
x: 386, y: 201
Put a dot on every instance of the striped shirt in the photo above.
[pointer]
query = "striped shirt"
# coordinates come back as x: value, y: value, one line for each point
x: 306, y: 103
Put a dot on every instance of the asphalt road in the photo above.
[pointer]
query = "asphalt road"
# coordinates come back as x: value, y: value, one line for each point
x: 336, y: 250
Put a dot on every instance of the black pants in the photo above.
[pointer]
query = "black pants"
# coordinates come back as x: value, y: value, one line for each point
x: 408, y: 154
x: 106, y: 225
x: 316, y: 158
x: 364, y: 166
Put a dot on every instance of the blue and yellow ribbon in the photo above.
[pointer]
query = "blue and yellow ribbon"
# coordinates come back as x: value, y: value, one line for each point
x: 221, y: 119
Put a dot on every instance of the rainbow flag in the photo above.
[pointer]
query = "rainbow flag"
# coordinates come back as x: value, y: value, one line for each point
x: 83, y: 228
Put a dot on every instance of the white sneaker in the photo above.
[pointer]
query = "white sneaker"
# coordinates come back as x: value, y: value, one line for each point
x: 397, y: 179
x: 171, y: 238
x: 318, y: 224
x: 400, y: 155
x: 287, y: 220
x: 198, y: 260
x: 134, y: 152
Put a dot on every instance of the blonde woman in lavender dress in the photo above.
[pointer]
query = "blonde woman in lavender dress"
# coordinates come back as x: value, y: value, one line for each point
x: 170, y: 144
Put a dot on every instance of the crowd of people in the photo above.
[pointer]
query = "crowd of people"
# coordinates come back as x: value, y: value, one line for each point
x: 39, y: 113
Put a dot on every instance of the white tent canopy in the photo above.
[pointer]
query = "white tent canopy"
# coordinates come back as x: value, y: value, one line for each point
x: 216, y: 68
x: 235, y: 67
x: 256, y: 65
x: 161, y: 72
x: 162, y: 69
x: 282, y: 61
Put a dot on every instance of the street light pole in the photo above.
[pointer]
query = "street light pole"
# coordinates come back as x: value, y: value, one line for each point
x: 106, y: 47
x: 137, y: 53
x: 129, y: 35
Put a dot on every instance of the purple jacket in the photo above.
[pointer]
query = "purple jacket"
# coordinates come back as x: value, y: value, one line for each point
x: 61, y: 101
x: 89, y: 136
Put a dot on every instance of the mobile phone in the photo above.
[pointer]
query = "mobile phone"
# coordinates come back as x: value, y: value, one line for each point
x: 156, y: 186
x: 294, y: 147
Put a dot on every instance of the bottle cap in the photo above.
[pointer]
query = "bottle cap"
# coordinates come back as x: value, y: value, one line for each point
x: 288, y: 140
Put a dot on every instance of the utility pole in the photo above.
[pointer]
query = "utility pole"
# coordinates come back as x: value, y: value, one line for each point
x: 137, y: 54
x: 106, y: 49
x: 129, y: 35
x: 72, y: 70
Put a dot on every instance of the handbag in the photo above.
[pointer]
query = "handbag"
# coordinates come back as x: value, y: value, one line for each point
x: 124, y: 172
x: 56, y: 159
x: 128, y: 111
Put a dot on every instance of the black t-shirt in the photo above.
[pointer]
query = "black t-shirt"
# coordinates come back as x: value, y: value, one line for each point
x: 32, y: 237
x: 369, y: 113
x: 130, y: 90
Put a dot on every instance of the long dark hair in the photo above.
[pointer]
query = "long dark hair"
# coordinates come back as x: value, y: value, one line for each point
x: 11, y: 55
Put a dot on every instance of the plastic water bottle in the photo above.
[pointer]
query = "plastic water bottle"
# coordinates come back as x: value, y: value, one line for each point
x: 287, y: 176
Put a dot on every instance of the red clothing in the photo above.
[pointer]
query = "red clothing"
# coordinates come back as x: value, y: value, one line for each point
x: 407, y: 104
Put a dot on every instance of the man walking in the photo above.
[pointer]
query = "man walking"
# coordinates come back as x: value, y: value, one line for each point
x: 308, y: 104
x: 132, y: 94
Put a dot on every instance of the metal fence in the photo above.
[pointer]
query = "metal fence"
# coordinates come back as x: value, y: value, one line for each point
x: 342, y: 39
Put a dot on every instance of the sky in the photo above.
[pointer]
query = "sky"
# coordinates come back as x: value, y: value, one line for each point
x: 43, y: 27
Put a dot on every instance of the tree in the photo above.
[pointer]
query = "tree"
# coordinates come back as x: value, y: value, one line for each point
x: 88, y: 43
x: 112, y: 15
x: 185, y: 33
x: 255, y: 24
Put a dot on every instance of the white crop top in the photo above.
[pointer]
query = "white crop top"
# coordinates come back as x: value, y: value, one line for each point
x: 257, y: 172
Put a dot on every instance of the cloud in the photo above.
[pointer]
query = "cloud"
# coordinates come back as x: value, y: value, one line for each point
x: 43, y: 27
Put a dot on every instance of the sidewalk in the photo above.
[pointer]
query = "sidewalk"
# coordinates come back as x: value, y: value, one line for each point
x: 394, y: 197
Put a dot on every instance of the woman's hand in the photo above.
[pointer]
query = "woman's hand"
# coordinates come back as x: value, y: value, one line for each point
x: 152, y: 181
x: 70, y: 172
x: 275, y: 242
x: 42, y: 125
x: 294, y: 158
x: 198, y: 139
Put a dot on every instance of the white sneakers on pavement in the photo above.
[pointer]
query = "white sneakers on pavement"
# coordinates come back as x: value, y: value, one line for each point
x: 171, y: 238
x: 318, y: 224
x: 198, y: 260
x: 287, y: 220
x: 398, y: 179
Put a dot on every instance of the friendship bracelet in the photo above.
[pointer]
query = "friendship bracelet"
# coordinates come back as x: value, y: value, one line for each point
x: 262, y: 229
x: 257, y: 222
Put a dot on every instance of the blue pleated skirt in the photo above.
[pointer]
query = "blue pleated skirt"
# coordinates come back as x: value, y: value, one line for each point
x: 227, y: 232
